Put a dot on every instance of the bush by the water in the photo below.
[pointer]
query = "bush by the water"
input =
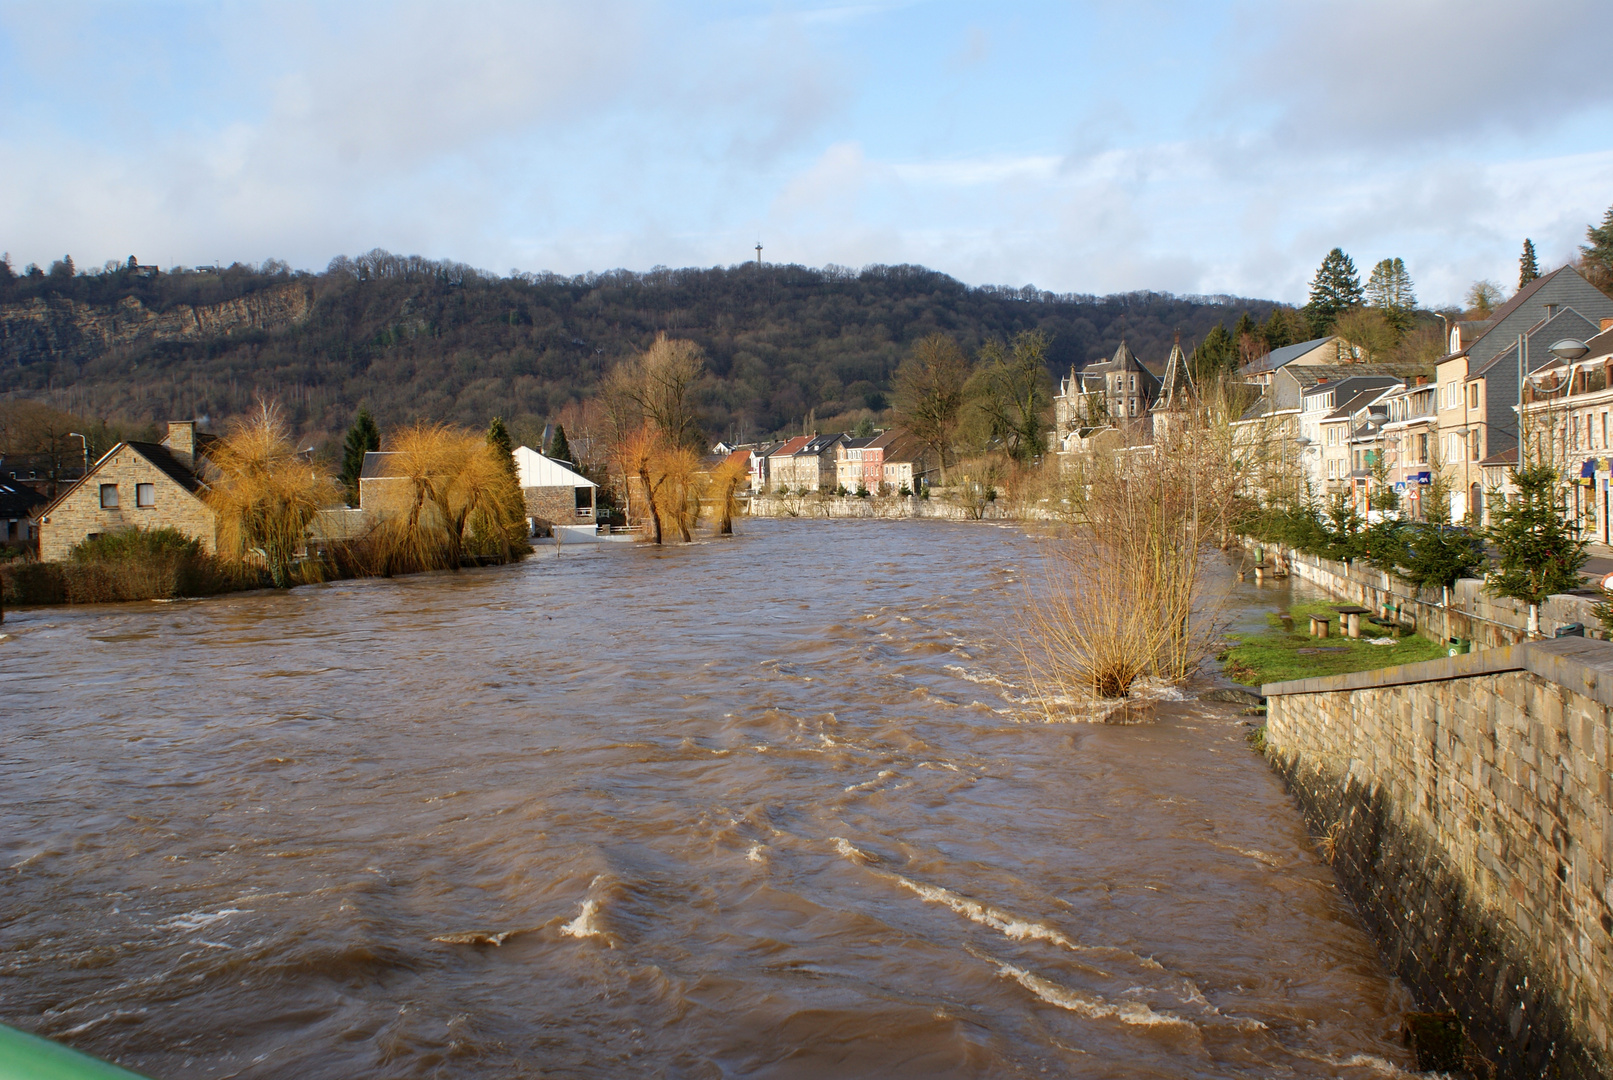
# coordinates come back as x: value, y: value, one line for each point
x: 131, y: 564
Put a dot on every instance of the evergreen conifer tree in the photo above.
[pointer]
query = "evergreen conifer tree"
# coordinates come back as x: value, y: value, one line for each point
x: 1276, y: 332
x: 559, y: 448
x: 1528, y: 268
x: 1335, y: 290
x: 1538, y: 552
x: 1598, y: 254
x: 362, y: 438
x: 1390, y: 290
x: 1215, y: 355
x: 1247, y: 341
x: 498, y: 437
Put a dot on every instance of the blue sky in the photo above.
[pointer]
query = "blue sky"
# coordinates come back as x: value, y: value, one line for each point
x: 1096, y: 147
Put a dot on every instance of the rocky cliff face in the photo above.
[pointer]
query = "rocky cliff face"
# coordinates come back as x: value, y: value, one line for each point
x: 58, y: 328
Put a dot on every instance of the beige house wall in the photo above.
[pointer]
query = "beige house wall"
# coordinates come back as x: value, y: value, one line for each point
x: 79, y: 514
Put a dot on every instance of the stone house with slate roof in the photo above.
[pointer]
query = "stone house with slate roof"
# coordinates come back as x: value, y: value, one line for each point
x: 135, y: 485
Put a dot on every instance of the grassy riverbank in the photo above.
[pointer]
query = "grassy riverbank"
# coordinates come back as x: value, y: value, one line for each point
x: 1280, y: 655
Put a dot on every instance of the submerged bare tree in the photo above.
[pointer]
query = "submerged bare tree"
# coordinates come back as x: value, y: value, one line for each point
x: 264, y: 494
x: 655, y: 432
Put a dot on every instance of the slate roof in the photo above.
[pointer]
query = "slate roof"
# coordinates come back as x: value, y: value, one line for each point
x: 177, y: 471
x: 378, y: 464
x: 1286, y: 355
x: 18, y: 501
x: 1357, y: 401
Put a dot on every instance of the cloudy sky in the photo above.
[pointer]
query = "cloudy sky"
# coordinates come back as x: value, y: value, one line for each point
x: 1093, y: 147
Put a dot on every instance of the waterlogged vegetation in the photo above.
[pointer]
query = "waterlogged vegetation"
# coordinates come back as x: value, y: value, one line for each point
x: 1280, y: 655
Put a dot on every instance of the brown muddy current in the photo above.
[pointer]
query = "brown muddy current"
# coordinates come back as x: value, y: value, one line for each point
x: 769, y: 807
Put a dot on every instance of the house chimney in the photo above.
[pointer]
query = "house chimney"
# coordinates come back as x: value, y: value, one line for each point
x: 1607, y: 324
x: 1422, y: 380
x: 181, y: 441
x: 1551, y: 311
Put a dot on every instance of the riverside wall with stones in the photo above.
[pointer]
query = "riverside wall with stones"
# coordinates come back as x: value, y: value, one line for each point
x: 890, y: 507
x: 1465, y: 806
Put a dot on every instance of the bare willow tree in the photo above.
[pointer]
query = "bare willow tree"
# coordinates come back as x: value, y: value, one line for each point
x: 929, y: 393
x: 656, y: 385
x: 654, y: 431
x: 1009, y: 394
x: 264, y: 494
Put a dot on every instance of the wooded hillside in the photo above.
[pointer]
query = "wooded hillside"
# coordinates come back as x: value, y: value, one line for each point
x: 419, y: 339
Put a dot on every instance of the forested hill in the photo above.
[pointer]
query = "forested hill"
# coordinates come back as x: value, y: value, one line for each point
x: 414, y: 338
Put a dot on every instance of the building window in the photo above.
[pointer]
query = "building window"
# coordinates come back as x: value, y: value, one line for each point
x: 1472, y: 446
x: 145, y: 494
x: 109, y: 496
x: 1473, y: 396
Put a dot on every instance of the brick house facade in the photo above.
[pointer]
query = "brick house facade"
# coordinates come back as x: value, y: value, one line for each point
x: 134, y: 485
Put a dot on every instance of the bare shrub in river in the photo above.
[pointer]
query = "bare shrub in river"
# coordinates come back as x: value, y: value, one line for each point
x: 1121, y: 592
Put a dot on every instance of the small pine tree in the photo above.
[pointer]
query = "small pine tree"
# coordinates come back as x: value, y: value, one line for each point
x: 559, y: 448
x: 498, y: 437
x: 1437, y: 555
x: 363, y: 437
x: 1597, y: 260
x: 1538, y: 551
x: 1335, y: 290
x: 509, y: 499
x: 1528, y: 268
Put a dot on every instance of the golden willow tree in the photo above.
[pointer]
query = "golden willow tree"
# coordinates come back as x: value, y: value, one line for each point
x: 264, y: 494
x: 654, y: 434
x: 459, y: 499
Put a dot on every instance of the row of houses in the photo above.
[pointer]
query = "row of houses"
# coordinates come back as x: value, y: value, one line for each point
x: 1328, y: 419
x: 889, y: 462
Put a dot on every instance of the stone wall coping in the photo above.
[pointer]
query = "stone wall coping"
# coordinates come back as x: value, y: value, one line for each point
x: 1583, y: 665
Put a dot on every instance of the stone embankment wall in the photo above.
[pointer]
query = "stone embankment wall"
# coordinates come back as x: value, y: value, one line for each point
x: 875, y: 506
x: 1487, y: 621
x: 1465, y: 806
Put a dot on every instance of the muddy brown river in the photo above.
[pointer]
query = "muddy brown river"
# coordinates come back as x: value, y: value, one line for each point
x: 766, y: 807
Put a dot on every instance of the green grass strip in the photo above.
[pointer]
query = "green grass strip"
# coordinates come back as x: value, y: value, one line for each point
x: 1277, y: 656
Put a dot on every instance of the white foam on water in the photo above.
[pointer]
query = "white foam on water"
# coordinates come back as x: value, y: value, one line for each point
x: 1091, y: 1006
x: 583, y: 926
x: 756, y: 854
x: 855, y: 854
x: 985, y: 678
x: 1004, y: 923
x: 195, y: 920
x: 884, y: 774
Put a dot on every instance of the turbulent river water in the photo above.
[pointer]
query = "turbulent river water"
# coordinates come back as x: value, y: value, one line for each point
x: 766, y: 807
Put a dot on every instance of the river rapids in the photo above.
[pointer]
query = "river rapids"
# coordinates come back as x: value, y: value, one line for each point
x: 772, y: 806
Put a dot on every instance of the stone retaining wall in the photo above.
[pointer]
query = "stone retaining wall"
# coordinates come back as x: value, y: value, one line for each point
x: 875, y: 506
x: 1465, y: 806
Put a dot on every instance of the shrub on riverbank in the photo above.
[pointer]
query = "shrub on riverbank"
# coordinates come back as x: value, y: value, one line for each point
x: 1280, y: 655
x: 134, y: 564
x: 1121, y: 590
